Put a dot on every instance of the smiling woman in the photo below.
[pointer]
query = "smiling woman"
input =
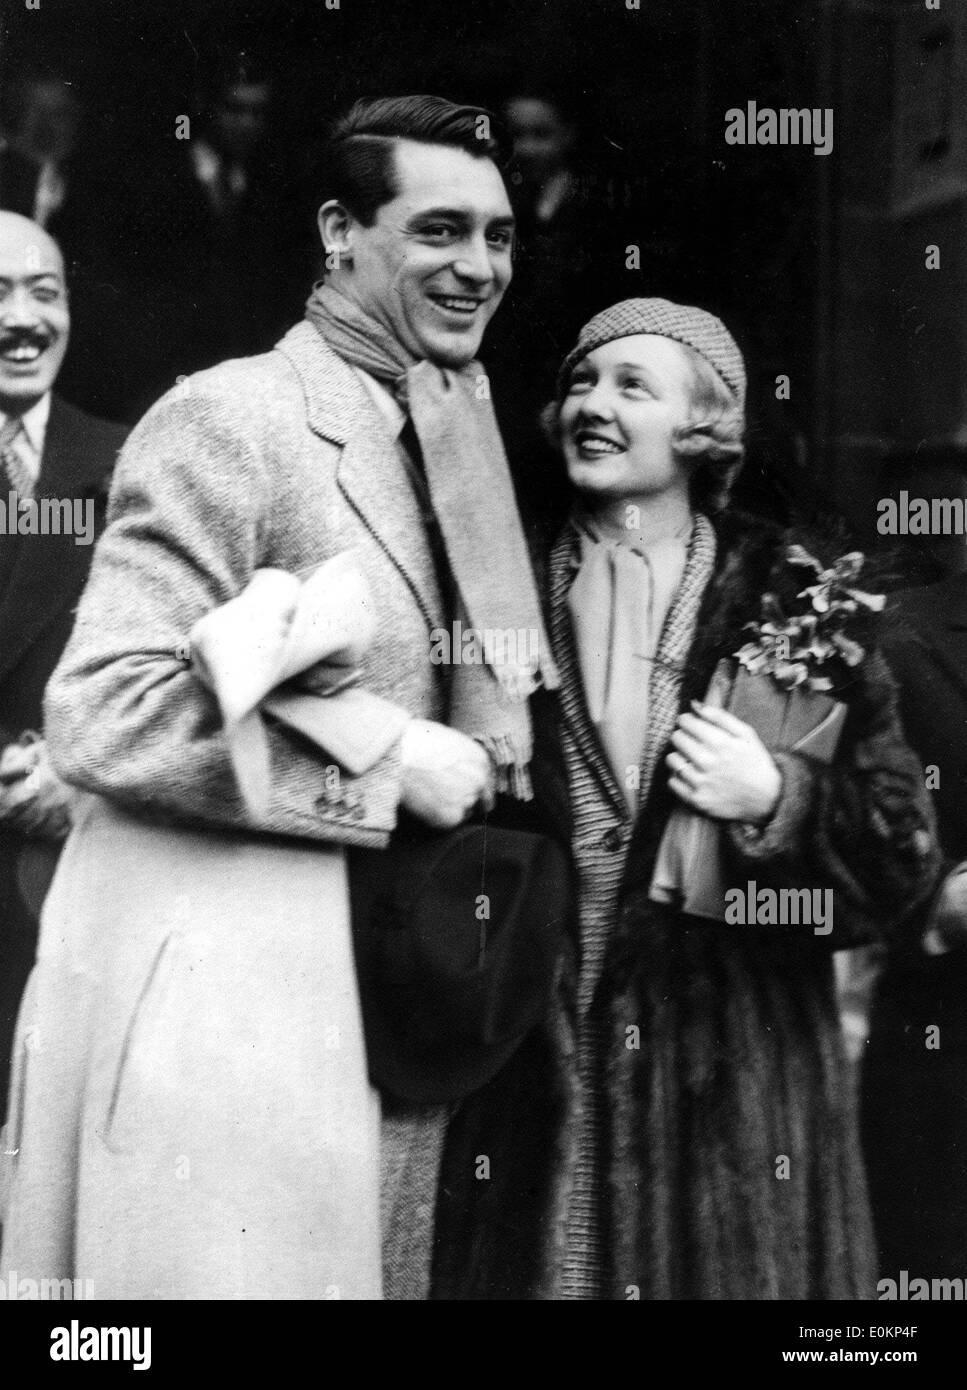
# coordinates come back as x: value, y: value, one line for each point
x: 685, y: 1120
x: 664, y: 411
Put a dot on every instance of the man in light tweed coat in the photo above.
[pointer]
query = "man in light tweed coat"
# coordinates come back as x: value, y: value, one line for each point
x: 192, y: 1117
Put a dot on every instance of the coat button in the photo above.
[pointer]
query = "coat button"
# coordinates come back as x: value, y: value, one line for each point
x: 613, y: 839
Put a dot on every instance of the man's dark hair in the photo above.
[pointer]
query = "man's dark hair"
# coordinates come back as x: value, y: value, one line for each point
x: 360, y: 169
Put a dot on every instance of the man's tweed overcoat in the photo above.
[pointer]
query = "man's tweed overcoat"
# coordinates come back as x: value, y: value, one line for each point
x: 192, y: 1115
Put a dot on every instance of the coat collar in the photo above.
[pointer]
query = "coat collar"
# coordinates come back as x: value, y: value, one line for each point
x: 371, y: 472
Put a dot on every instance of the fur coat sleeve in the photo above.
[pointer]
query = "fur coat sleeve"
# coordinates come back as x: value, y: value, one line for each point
x: 862, y: 826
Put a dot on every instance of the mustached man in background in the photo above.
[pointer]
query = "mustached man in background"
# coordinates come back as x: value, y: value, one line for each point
x: 47, y: 449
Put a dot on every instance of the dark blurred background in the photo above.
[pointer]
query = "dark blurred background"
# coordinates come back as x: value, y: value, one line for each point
x: 182, y: 252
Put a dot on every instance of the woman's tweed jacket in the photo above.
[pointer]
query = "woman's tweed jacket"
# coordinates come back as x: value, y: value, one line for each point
x: 198, y: 1121
x: 721, y: 1054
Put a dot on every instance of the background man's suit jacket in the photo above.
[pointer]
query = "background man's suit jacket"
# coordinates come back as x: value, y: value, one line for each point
x: 41, y: 579
x: 929, y: 658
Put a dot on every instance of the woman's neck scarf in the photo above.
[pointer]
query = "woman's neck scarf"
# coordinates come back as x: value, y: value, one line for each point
x: 471, y: 493
x: 619, y: 600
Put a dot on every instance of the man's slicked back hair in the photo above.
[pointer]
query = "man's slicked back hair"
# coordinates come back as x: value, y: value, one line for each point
x: 360, y: 167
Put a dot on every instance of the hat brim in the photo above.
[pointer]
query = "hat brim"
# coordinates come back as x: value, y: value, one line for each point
x: 428, y: 1077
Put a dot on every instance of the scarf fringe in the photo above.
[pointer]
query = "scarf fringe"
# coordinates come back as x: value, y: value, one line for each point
x: 511, y: 759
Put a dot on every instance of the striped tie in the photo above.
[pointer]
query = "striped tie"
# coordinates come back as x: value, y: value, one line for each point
x: 18, y: 474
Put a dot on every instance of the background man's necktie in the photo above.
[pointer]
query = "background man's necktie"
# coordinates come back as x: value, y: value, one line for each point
x: 18, y: 474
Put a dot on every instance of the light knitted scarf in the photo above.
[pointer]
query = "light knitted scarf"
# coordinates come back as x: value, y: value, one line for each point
x: 473, y: 500
x: 618, y: 603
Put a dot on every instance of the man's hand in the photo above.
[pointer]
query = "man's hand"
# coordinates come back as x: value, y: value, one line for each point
x: 722, y: 768
x: 33, y: 799
x: 445, y: 774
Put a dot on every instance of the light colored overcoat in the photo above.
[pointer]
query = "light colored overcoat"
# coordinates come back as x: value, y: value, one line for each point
x: 191, y: 1115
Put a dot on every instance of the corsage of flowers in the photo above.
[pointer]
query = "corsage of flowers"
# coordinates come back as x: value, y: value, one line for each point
x: 803, y: 647
x: 797, y: 649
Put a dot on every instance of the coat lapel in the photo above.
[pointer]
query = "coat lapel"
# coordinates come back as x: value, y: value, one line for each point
x: 574, y: 708
x: 670, y: 664
x: 371, y: 474
x: 48, y: 572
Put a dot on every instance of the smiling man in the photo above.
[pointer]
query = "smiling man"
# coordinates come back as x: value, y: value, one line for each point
x: 229, y: 1142
x: 440, y: 244
x: 48, y: 450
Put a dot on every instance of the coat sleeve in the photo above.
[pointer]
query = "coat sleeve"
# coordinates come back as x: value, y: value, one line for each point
x: 862, y: 826
x: 190, y: 520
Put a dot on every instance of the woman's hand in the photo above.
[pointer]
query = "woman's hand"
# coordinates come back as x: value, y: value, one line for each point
x: 721, y: 767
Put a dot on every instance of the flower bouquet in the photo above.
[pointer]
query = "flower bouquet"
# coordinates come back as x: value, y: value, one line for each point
x: 780, y: 682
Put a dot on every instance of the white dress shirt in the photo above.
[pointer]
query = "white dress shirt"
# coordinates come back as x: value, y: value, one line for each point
x: 385, y: 402
x: 211, y: 168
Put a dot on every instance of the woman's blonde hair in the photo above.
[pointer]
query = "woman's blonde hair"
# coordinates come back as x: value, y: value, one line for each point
x: 713, y: 439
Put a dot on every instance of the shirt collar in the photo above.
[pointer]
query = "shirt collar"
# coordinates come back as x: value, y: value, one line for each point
x: 554, y: 193
x: 34, y: 423
x: 205, y: 160
x: 394, y: 417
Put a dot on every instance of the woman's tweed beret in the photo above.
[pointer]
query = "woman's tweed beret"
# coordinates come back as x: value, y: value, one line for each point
x: 695, y: 327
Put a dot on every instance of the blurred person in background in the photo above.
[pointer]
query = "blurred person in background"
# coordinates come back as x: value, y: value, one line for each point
x: 47, y: 449
x: 915, y: 1072
x: 191, y: 225
x: 36, y: 163
x: 562, y: 271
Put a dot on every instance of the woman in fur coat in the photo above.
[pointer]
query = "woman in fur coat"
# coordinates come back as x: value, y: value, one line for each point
x: 682, y: 1128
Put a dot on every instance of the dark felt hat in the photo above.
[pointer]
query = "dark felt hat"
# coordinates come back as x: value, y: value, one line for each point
x: 457, y: 936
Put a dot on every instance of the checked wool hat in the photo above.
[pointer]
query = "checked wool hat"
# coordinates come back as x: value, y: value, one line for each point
x: 696, y: 328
